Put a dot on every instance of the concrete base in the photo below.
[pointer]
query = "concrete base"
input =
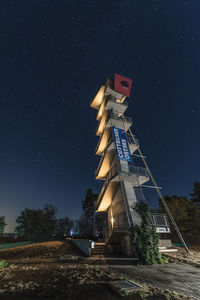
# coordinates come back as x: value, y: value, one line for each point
x: 165, y: 243
x: 121, y: 243
x: 124, y: 247
x: 113, y: 249
x: 83, y: 245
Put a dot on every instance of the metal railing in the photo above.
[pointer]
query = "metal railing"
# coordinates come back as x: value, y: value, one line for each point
x: 120, y: 117
x: 159, y: 220
x: 138, y: 170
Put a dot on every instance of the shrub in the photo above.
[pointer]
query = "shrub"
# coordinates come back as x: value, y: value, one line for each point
x: 3, y: 263
x: 145, y: 237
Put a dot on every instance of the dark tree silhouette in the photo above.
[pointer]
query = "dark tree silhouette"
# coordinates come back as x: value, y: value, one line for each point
x: 196, y: 193
x: 63, y: 227
x: 86, y: 222
x: 187, y: 217
x: 37, y: 223
x: 2, y: 224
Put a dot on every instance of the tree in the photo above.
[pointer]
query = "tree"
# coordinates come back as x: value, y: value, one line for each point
x: 100, y: 221
x: 196, y: 193
x: 2, y: 224
x: 86, y: 222
x: 36, y: 223
x: 186, y: 215
x: 88, y: 203
x: 63, y: 227
x: 49, y: 215
x: 83, y: 227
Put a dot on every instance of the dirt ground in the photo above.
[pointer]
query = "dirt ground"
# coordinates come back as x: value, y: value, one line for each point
x: 58, y: 270
x: 192, y: 257
x: 46, y: 250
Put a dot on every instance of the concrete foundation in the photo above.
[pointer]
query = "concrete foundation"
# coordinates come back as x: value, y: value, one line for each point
x: 126, y: 246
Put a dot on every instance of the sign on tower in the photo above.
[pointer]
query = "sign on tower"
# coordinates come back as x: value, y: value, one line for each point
x: 121, y: 144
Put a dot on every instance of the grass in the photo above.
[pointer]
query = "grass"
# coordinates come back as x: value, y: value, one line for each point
x: 143, y: 295
x: 14, y: 245
x: 3, y: 263
x: 126, y: 293
x: 167, y: 296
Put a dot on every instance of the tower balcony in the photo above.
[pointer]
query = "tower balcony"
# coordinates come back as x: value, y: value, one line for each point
x: 119, y: 121
x: 133, y: 144
x: 105, y: 162
x: 109, y: 90
x: 112, y: 103
x: 102, y: 123
x: 105, y: 197
x: 107, y: 156
x: 135, y: 175
x: 110, y: 119
x: 105, y: 90
x: 116, y: 105
x: 101, y: 109
x: 106, y: 139
x: 96, y: 102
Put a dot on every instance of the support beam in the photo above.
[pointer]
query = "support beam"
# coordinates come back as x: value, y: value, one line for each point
x: 162, y: 198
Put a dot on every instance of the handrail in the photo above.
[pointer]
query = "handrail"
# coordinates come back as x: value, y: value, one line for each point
x: 138, y: 170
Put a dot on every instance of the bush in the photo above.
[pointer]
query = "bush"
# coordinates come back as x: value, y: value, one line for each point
x: 145, y: 237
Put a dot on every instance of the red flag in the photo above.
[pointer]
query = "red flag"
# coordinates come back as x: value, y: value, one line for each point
x: 122, y: 85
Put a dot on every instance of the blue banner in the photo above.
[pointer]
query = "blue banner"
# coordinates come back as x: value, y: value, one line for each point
x: 121, y: 144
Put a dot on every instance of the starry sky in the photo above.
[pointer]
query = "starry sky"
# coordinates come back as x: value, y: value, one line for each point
x: 54, y: 55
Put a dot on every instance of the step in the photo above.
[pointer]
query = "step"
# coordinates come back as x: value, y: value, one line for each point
x: 98, y: 248
x: 167, y: 250
x: 162, y: 248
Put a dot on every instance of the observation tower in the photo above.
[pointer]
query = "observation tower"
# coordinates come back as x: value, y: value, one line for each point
x: 122, y: 179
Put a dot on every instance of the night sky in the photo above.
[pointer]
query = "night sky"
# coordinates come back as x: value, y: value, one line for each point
x: 54, y: 55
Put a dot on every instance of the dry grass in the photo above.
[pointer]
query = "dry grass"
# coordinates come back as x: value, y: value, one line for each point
x: 191, y: 258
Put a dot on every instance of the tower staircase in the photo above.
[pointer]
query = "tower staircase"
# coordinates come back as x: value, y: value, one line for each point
x: 99, y: 249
